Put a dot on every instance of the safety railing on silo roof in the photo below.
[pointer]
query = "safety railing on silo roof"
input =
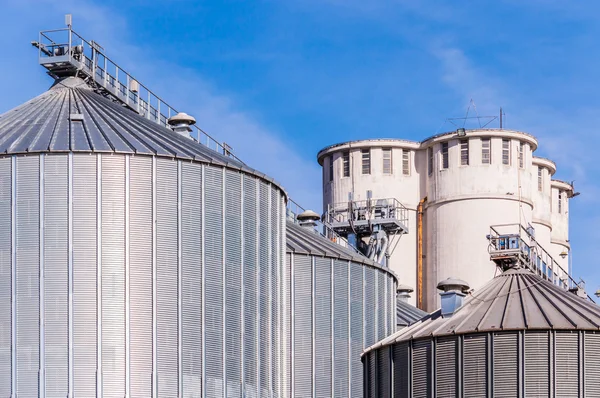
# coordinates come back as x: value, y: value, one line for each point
x: 518, y: 242
x: 293, y: 209
x: 368, y: 209
x: 63, y: 52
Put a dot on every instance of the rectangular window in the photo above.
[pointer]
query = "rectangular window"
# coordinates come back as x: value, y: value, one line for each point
x: 506, y: 152
x: 444, y: 155
x: 486, y: 152
x: 366, y: 161
x: 464, y: 153
x: 521, y: 155
x: 405, y: 162
x: 331, y: 168
x: 540, y: 179
x: 387, y: 160
x: 430, y: 160
x: 560, y: 201
x: 346, y: 164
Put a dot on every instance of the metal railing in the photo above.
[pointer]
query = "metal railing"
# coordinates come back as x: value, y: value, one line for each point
x: 65, y: 53
x: 519, y: 241
x: 369, y: 209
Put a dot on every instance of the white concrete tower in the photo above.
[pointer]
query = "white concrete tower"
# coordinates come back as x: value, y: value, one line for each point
x: 467, y: 181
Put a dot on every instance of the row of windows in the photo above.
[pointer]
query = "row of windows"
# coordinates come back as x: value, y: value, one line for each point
x: 387, y: 162
x: 486, y: 154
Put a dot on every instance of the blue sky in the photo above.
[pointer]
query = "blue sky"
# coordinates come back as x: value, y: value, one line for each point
x: 279, y: 80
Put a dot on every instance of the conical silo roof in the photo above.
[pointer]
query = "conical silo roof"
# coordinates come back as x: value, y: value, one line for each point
x: 71, y: 116
x: 514, y: 300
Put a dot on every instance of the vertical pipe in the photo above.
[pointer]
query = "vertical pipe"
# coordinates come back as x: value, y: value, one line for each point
x: 42, y: 370
x: 420, y: 252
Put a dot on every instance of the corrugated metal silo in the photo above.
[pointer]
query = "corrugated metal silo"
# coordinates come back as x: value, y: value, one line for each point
x: 133, y: 261
x: 338, y: 303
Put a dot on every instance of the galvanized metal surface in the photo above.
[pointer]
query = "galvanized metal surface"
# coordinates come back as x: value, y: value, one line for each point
x: 407, y: 314
x: 154, y: 278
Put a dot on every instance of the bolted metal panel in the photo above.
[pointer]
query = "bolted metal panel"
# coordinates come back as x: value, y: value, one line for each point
x: 213, y: 279
x: 167, y: 362
x: 303, y: 340
x: 323, y: 327
x: 384, y: 376
x: 27, y: 274
x: 191, y: 267
x: 356, y: 328
x: 382, y: 312
x: 289, y: 315
x: 341, y: 329
x: 113, y: 276
x: 140, y: 275
x: 264, y: 280
x: 537, y: 364
x: 506, y: 364
x: 233, y: 298
x: 5, y: 276
x: 370, y: 307
x: 422, y: 369
x: 592, y: 365
x: 274, y: 222
x: 401, y: 371
x: 56, y: 274
x: 567, y: 364
x: 446, y: 369
x: 84, y: 275
x: 475, y: 368
x: 250, y: 286
x: 371, y: 382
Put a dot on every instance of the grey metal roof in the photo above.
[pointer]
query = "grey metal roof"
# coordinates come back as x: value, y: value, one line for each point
x: 514, y: 300
x: 70, y: 116
x: 407, y: 314
x: 303, y: 240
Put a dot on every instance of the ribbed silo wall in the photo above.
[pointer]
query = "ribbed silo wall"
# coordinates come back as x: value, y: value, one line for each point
x: 334, y: 309
x: 138, y: 276
x: 536, y: 363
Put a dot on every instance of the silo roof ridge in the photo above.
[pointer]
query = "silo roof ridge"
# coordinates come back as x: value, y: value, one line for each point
x: 514, y: 300
x: 72, y: 117
x: 407, y: 314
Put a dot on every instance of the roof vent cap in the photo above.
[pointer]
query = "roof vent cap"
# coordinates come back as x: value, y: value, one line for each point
x: 403, y: 292
x: 308, y: 219
x: 181, y: 123
x: 452, y: 295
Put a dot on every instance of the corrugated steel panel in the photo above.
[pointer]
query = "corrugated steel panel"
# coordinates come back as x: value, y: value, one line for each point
x: 372, y: 375
x: 384, y: 376
x: 422, y: 369
x: 250, y: 285
x: 446, y: 367
x: 323, y: 341
x: 381, y: 299
x: 506, y: 364
x: 27, y: 276
x: 341, y: 329
x: 537, y: 360
x: 213, y: 280
x: 475, y: 366
x: 274, y: 220
x: 370, y: 303
x: 356, y: 328
x: 84, y: 275
x: 113, y: 276
x: 264, y: 287
x: 303, y: 326
x: 167, y: 363
x: 5, y: 276
x: 567, y: 361
x: 140, y: 275
x: 288, y: 322
x: 401, y: 357
x: 592, y: 365
x: 56, y: 274
x: 233, y: 267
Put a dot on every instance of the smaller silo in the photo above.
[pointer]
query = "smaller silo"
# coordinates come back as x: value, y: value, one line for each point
x: 518, y: 336
x: 406, y: 314
x: 337, y: 303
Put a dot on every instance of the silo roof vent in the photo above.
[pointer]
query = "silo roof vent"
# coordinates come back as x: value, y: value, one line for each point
x: 403, y: 292
x: 452, y: 295
x: 308, y: 218
x: 181, y: 123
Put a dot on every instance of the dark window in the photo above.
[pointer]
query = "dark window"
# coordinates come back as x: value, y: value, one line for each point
x: 387, y: 160
x: 506, y: 152
x: 464, y: 152
x: 444, y: 155
x: 331, y: 168
x: 346, y: 164
x: 366, y: 161
x: 486, y: 152
x: 430, y: 160
x: 405, y: 162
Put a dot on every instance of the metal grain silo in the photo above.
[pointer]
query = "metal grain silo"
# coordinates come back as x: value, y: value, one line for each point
x: 338, y: 302
x: 134, y: 262
x: 518, y: 336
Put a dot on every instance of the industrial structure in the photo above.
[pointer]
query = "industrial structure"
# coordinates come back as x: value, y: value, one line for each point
x: 339, y: 302
x: 468, y: 178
